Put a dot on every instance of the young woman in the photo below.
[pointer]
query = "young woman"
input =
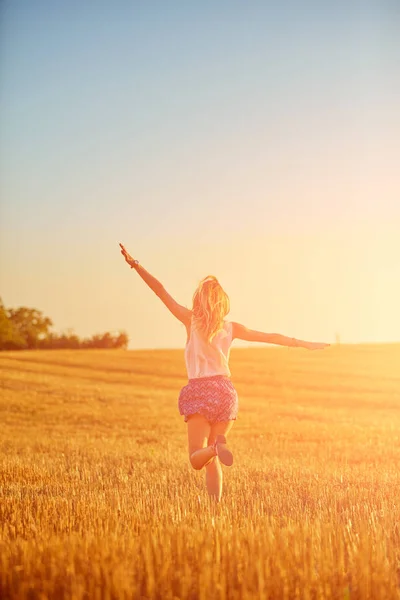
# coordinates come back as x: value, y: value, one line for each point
x: 209, y: 402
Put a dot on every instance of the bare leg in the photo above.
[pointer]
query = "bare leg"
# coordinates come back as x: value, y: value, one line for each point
x: 200, y: 457
x: 214, y: 470
x: 198, y: 432
x: 214, y: 479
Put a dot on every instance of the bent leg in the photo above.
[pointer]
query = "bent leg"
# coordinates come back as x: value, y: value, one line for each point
x: 220, y: 428
x: 198, y: 432
x: 213, y: 469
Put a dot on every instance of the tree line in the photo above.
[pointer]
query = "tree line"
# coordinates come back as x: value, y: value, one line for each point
x: 26, y: 328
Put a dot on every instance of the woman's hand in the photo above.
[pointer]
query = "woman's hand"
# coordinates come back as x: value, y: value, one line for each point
x: 127, y: 256
x: 315, y: 345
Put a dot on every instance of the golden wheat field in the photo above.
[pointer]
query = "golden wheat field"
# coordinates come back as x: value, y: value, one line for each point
x: 98, y: 498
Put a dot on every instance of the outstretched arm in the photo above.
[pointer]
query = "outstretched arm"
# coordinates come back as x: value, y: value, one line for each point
x: 182, y: 313
x: 251, y: 335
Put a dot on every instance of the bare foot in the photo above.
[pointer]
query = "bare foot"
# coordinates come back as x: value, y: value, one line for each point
x: 223, y: 453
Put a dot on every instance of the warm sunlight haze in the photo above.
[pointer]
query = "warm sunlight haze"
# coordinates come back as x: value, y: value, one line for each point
x: 252, y: 143
x: 200, y: 300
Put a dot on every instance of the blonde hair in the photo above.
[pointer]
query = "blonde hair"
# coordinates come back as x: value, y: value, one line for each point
x: 210, y: 305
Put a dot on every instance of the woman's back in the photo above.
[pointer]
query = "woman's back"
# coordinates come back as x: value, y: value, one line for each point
x: 204, y: 358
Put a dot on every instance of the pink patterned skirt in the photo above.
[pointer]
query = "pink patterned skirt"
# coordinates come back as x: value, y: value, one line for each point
x: 213, y: 397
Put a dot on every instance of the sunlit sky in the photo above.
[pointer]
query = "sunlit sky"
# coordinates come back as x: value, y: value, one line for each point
x: 256, y: 141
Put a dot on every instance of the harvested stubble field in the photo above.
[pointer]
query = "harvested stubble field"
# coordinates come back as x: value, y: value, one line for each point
x: 98, y: 499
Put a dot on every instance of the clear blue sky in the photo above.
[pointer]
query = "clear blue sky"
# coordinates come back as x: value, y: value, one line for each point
x: 259, y: 141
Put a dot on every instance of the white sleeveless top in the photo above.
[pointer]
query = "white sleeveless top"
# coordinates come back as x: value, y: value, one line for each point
x: 204, y: 359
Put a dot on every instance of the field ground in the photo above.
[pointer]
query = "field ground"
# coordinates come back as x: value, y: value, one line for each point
x: 98, y: 499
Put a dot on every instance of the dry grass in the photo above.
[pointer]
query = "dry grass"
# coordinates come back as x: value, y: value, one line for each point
x: 98, y: 500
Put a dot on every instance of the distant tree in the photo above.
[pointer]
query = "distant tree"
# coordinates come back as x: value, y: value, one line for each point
x: 10, y: 338
x: 31, y: 325
x: 23, y: 328
x: 107, y: 340
x: 56, y: 342
x: 122, y: 340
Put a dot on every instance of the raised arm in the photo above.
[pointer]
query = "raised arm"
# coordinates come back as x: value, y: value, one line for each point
x: 182, y: 313
x: 251, y: 335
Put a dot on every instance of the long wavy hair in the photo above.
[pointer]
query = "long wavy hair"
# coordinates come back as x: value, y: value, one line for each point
x: 210, y: 305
